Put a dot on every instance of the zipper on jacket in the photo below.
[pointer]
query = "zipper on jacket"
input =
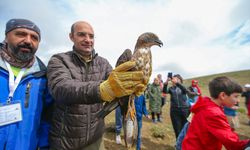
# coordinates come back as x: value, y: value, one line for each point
x: 27, y: 95
x: 86, y: 71
x: 5, y: 145
x: 63, y: 121
x: 86, y: 68
x: 88, y: 123
x: 177, y: 98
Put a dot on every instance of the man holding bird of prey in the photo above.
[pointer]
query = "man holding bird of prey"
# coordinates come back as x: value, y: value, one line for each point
x: 80, y: 82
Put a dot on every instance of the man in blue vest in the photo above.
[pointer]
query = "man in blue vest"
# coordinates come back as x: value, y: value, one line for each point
x: 24, y: 98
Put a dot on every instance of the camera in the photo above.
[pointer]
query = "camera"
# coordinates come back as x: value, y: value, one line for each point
x: 170, y: 75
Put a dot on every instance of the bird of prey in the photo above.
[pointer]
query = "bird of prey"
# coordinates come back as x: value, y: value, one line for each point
x: 143, y: 58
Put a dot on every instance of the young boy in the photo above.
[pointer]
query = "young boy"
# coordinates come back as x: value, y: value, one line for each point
x: 209, y: 128
x: 140, y: 107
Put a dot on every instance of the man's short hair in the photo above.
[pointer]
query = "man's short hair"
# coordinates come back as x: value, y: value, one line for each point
x: 72, y: 28
x: 223, y: 84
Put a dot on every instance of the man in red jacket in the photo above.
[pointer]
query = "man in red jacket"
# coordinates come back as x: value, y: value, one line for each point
x: 209, y: 128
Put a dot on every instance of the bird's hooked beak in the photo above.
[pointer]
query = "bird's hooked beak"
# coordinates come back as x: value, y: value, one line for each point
x: 158, y: 42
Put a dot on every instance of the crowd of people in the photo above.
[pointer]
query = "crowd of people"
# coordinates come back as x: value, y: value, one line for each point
x: 189, y: 109
x: 55, y: 107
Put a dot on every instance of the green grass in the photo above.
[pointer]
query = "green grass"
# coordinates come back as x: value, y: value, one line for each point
x: 241, y: 110
x: 158, y: 132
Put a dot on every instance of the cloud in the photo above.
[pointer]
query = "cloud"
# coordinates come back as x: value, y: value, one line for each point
x: 237, y: 38
x: 171, y: 67
x: 242, y: 37
x: 240, y: 12
x: 194, y: 32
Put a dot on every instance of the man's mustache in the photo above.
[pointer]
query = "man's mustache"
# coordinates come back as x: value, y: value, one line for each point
x: 25, y: 46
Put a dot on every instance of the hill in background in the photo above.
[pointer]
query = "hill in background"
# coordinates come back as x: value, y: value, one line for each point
x: 241, y: 77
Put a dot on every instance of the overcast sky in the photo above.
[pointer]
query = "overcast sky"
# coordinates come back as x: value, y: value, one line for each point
x: 200, y: 37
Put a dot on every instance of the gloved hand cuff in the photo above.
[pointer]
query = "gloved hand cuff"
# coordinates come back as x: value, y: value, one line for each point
x: 106, y: 92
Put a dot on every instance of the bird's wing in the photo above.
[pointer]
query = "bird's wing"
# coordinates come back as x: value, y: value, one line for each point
x: 125, y: 56
x: 123, y: 101
x: 110, y: 106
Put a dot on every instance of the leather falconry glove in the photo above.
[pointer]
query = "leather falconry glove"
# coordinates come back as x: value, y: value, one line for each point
x: 122, y: 82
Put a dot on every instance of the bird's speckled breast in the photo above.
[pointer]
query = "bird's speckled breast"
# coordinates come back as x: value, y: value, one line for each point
x: 143, y: 60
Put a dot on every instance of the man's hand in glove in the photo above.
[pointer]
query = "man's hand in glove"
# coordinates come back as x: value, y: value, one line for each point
x: 122, y: 82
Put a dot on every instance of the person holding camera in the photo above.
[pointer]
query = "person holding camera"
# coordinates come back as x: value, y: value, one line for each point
x: 179, y: 107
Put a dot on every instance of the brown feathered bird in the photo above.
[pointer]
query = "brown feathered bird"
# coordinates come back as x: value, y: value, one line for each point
x: 143, y: 58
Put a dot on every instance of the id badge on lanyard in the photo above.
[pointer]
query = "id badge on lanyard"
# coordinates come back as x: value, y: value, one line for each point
x: 11, y: 112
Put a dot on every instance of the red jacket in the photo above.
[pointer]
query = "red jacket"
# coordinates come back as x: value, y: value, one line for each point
x: 209, y: 129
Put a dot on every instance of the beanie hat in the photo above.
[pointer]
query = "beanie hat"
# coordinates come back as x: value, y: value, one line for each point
x: 21, y: 23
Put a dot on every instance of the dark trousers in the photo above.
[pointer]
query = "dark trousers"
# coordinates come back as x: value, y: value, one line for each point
x: 157, y: 115
x: 179, y: 118
x: 163, y: 101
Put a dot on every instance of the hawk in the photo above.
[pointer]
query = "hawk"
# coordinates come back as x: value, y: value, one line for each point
x: 143, y: 58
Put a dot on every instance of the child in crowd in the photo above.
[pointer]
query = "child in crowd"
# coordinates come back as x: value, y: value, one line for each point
x: 193, y: 92
x: 209, y: 128
x: 154, y: 93
x: 246, y: 94
x: 141, y: 109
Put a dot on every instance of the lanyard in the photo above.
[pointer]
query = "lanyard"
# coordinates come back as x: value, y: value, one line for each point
x: 12, y: 82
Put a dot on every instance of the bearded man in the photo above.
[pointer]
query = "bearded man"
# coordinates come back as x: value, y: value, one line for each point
x: 24, y: 96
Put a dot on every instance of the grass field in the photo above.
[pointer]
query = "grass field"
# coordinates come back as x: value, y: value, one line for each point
x: 150, y: 142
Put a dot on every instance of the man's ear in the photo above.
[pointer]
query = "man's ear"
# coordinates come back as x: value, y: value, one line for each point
x: 71, y: 36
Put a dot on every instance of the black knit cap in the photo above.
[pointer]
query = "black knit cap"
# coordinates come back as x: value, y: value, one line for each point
x: 21, y: 23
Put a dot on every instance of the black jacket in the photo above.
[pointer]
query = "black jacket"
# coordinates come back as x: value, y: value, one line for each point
x: 178, y: 96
